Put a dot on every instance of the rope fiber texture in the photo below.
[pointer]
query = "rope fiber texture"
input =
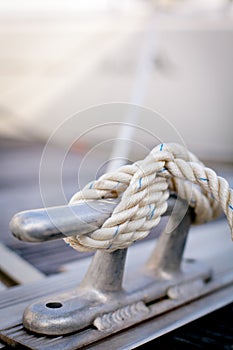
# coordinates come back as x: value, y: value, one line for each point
x: 144, y: 188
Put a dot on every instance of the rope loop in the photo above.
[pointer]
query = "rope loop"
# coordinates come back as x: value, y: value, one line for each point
x: 144, y: 188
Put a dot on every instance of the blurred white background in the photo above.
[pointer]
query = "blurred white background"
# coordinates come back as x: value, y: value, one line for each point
x: 58, y: 57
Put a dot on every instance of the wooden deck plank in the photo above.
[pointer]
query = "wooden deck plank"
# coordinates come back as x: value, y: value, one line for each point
x: 2, y: 286
x: 16, y: 268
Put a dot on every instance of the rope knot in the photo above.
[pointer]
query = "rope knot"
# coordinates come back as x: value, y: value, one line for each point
x: 144, y: 188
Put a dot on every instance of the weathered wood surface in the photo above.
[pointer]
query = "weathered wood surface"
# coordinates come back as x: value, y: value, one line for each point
x: 14, y: 300
x: 20, y: 190
x: 16, y: 269
x: 213, y: 331
x: 2, y: 286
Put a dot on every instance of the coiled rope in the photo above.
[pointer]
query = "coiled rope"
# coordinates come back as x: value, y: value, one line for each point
x: 144, y: 188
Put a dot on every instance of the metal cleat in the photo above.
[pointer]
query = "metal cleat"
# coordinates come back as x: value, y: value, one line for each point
x: 101, y: 301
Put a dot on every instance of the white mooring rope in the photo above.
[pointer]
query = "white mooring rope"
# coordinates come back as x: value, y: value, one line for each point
x: 144, y: 188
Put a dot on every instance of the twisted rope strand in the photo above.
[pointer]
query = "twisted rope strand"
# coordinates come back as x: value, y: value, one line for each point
x: 144, y: 188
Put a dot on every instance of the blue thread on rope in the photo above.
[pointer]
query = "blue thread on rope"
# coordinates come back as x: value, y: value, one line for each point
x: 152, y: 214
x: 231, y: 207
x: 203, y: 179
x: 140, y: 183
x: 116, y: 231
x: 161, y: 147
x: 162, y: 170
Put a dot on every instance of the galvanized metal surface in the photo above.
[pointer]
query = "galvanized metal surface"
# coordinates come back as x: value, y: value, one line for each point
x: 40, y: 225
x: 101, y: 290
x: 103, y: 280
x: 46, y: 224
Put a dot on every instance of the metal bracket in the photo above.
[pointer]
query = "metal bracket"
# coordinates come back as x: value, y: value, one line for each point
x: 101, y: 301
